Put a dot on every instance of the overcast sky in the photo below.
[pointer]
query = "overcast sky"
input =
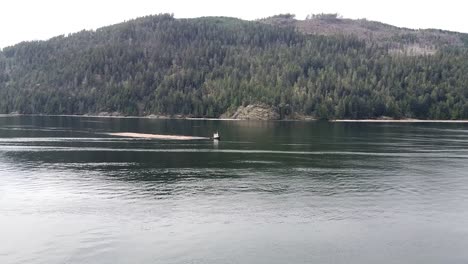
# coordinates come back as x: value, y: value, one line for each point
x: 22, y: 20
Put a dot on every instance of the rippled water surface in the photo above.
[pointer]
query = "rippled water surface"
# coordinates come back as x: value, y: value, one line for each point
x: 269, y: 192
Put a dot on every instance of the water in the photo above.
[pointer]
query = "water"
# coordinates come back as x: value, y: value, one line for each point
x: 269, y: 192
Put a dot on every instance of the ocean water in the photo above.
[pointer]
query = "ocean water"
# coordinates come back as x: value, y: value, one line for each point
x: 268, y: 192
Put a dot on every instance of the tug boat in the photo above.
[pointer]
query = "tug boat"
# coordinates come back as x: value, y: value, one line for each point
x: 216, y: 136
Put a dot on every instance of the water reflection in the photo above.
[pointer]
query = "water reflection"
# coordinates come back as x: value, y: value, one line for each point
x: 270, y: 192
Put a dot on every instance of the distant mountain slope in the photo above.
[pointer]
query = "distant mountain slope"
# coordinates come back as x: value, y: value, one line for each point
x: 207, y: 67
x: 400, y: 40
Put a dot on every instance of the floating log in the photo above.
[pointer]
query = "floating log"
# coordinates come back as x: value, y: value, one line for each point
x: 155, y: 136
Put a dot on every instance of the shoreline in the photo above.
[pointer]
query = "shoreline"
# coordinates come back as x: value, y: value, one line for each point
x: 159, y: 117
x: 397, y: 121
x: 307, y: 119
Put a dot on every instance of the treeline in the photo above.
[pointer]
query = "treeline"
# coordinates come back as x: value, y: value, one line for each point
x: 205, y: 67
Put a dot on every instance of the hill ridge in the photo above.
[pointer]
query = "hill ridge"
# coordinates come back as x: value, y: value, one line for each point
x: 205, y: 67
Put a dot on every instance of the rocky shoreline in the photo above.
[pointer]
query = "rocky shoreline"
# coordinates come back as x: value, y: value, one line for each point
x: 251, y: 112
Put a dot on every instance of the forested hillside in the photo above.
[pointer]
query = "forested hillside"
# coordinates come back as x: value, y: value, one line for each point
x: 205, y: 67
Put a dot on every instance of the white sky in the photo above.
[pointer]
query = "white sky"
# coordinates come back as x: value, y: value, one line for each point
x: 22, y: 20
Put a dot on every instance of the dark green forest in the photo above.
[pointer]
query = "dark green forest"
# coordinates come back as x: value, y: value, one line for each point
x: 205, y: 67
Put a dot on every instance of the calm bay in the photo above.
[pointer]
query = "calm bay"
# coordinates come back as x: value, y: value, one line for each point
x: 268, y: 192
